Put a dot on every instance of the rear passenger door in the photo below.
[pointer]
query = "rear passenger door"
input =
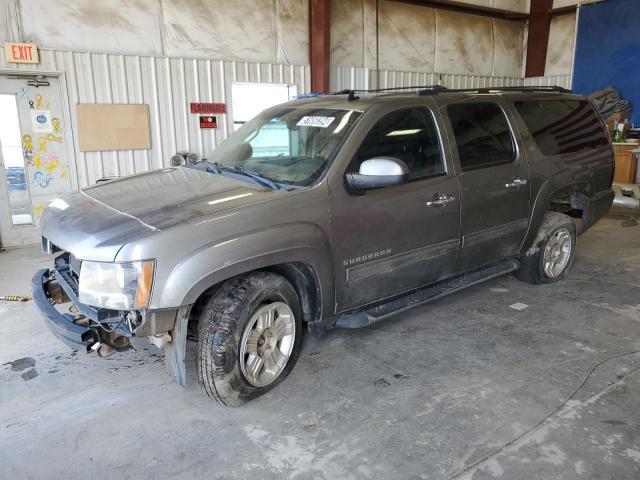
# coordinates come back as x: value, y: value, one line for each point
x: 494, y: 181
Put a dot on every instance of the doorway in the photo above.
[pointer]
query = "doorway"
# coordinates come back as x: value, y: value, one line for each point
x: 34, y: 168
x: 249, y: 99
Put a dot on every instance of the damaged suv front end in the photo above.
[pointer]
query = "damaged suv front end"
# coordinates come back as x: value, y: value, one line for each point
x: 107, y: 302
x: 95, y: 297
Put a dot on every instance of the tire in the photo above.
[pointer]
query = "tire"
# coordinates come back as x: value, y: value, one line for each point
x: 225, y: 326
x: 557, y: 230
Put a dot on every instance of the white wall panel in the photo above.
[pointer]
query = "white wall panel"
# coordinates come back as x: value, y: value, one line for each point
x: 103, y: 26
x: 419, y: 38
x: 274, y: 31
x: 9, y: 21
x: 365, y: 78
x: 167, y: 85
x: 549, y: 81
x: 561, y: 45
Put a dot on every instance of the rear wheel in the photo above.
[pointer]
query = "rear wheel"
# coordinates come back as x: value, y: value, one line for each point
x: 551, y: 255
x: 249, y: 337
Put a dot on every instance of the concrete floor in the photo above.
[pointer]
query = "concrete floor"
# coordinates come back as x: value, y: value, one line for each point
x: 424, y: 395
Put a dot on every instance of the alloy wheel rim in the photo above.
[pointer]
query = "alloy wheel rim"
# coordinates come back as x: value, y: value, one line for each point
x: 267, y: 343
x: 557, y: 253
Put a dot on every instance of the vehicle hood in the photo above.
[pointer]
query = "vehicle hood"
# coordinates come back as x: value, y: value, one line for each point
x: 95, y: 223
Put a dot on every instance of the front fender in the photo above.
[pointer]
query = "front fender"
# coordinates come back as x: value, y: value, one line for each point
x: 209, y: 265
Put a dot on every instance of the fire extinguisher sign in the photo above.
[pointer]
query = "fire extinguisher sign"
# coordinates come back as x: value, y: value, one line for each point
x: 208, y: 121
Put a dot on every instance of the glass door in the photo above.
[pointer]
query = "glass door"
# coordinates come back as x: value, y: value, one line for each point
x: 33, y: 161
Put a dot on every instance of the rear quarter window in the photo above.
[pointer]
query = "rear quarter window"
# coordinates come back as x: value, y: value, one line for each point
x: 562, y: 126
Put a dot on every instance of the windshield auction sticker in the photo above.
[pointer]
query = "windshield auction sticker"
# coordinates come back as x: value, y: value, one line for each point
x: 315, y: 121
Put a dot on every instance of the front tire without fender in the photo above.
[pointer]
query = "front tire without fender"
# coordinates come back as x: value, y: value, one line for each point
x: 550, y: 256
x: 249, y: 314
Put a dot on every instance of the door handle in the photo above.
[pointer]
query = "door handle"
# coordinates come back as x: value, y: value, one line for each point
x: 440, y: 199
x: 516, y: 183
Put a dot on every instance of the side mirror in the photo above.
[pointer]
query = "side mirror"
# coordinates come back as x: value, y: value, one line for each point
x: 379, y: 172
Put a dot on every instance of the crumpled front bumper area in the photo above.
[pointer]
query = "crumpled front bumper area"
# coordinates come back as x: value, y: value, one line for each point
x: 46, y: 290
x: 84, y: 327
x: 91, y: 328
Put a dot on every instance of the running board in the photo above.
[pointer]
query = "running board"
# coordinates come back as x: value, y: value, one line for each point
x: 427, y: 294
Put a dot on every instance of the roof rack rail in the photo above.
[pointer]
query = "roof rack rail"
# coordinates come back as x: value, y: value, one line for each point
x: 531, y: 89
x: 435, y: 89
x: 352, y: 92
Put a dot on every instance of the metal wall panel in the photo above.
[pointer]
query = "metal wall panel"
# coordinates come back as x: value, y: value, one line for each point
x: 363, y: 78
x: 167, y: 85
x: 548, y: 81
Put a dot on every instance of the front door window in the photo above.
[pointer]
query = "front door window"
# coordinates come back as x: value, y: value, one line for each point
x: 408, y: 135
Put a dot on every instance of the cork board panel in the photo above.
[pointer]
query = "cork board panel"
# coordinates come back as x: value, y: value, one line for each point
x: 104, y: 127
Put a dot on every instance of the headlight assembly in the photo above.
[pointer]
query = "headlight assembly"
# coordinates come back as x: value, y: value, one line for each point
x: 117, y: 286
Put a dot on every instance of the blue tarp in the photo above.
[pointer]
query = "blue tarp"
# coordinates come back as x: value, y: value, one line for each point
x: 608, y: 51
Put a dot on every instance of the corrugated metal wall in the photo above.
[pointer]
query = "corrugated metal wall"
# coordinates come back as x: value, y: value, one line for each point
x: 559, y: 80
x: 167, y: 85
x: 363, y: 78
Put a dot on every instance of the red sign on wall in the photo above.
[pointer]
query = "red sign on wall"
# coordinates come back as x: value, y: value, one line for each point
x: 209, y: 108
x: 21, y: 52
x: 208, y: 122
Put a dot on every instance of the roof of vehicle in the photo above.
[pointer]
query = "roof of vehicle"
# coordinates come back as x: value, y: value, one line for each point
x: 364, y: 99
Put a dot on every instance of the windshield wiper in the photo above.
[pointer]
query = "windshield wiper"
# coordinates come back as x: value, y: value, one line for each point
x: 265, y: 182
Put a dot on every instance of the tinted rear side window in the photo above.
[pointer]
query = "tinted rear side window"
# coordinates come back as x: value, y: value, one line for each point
x: 562, y: 126
x: 482, y: 134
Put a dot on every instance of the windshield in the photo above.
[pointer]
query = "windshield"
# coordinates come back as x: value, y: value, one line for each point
x: 292, y: 146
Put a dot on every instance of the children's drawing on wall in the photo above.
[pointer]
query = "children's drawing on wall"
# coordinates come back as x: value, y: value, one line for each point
x: 40, y: 102
x: 50, y: 162
x: 24, y: 95
x: 39, y: 208
x: 27, y: 146
x: 42, y: 144
x: 57, y: 126
x: 41, y: 179
x: 44, y: 160
x: 44, y: 139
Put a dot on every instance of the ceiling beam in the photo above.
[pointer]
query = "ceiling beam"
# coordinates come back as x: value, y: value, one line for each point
x: 462, y: 7
x: 556, y: 12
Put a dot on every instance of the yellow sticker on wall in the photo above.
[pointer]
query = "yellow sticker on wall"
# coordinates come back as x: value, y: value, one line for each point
x: 55, y: 122
x: 38, y: 209
x: 42, y: 144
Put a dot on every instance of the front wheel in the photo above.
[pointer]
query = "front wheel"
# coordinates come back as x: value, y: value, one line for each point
x: 248, y: 337
x: 551, y: 255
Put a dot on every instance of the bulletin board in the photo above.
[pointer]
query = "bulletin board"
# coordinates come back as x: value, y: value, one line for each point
x: 608, y: 50
x: 104, y: 127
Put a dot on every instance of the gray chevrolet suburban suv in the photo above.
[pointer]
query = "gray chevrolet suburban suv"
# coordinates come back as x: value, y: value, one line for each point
x: 334, y: 211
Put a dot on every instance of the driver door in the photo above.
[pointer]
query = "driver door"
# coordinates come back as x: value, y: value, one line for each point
x: 388, y: 241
